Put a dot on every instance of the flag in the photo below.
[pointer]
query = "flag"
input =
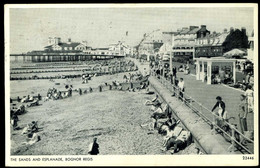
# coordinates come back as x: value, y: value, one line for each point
x: 126, y: 33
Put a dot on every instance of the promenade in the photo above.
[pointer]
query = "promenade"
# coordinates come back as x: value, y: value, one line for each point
x: 206, y: 95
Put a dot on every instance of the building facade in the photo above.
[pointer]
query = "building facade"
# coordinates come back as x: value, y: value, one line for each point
x: 250, y: 50
x: 216, y: 44
x: 55, y: 44
x: 184, y: 40
x: 151, y: 47
x: 120, y: 48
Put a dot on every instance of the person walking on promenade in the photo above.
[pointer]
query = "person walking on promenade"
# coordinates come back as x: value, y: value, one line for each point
x: 242, y: 113
x: 222, y: 113
x: 93, y: 147
x: 250, y: 98
x: 181, y: 88
x: 174, y: 71
x: 174, y: 85
x: 171, y: 78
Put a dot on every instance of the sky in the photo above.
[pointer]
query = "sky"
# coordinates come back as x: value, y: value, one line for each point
x: 31, y: 27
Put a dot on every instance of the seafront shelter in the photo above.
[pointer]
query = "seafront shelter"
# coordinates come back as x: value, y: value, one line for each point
x: 206, y: 68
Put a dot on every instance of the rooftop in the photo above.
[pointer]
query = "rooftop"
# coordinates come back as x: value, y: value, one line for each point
x: 194, y: 31
x: 73, y: 44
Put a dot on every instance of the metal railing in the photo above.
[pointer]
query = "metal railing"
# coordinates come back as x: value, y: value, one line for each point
x: 210, y: 118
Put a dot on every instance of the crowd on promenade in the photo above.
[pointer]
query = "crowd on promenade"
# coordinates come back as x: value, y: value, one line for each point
x: 178, y: 87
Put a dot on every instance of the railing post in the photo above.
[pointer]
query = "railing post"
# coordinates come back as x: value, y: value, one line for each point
x: 231, y: 148
x: 131, y: 85
x: 200, y: 107
x: 213, y: 124
x: 178, y: 93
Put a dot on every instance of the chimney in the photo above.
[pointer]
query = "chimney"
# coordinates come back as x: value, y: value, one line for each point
x: 192, y: 27
x: 69, y: 40
x: 50, y: 41
x: 243, y: 29
x: 57, y: 40
x: 85, y: 43
x: 203, y: 26
x: 231, y: 29
x: 225, y: 30
x: 252, y: 34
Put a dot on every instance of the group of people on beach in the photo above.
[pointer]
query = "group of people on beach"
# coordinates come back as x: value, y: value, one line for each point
x: 55, y: 94
x: 30, y: 129
x: 19, y: 108
x: 175, y: 138
x: 132, y: 77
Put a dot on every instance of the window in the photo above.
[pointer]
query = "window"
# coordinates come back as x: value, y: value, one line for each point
x: 70, y: 48
x: 65, y: 48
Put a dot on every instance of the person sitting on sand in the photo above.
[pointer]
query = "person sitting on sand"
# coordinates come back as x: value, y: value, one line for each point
x: 30, y: 128
x: 93, y: 147
x: 143, y: 85
x: 34, y: 103
x: 14, y: 119
x: 32, y: 138
x: 178, y: 142
x: 20, y: 109
x: 90, y: 89
x: 152, y: 125
x: 34, y: 126
x: 170, y: 123
x: 30, y: 99
x: 161, y: 112
x: 154, y: 101
x: 25, y: 99
x: 148, y: 91
x: 171, y: 133
x: 26, y: 129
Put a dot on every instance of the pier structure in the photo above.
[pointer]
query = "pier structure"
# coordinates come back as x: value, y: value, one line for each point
x: 60, y: 57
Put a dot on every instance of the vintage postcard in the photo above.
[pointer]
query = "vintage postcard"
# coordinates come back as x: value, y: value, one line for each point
x: 131, y: 84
